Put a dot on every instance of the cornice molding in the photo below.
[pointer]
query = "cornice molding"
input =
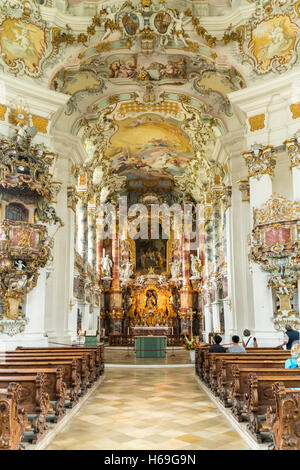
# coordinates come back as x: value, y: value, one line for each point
x: 63, y: 143
x: 40, y: 101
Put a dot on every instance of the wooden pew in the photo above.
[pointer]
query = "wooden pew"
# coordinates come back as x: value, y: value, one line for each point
x: 71, y: 373
x: 211, y: 364
x: 33, y: 398
x: 13, y: 419
x: 225, y: 376
x: 98, y: 350
x: 203, y: 351
x: 86, y: 365
x: 261, y: 397
x: 283, y: 419
x: 240, y: 388
x: 54, y: 386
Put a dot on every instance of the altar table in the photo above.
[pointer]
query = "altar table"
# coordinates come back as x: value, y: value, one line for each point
x: 150, y: 346
x: 150, y: 330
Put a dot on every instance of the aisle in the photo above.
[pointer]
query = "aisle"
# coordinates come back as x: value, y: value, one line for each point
x: 148, y: 409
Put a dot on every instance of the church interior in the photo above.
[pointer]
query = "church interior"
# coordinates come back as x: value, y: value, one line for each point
x: 150, y: 203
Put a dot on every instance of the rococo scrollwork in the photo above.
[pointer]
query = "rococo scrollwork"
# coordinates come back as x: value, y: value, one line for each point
x: 26, y: 189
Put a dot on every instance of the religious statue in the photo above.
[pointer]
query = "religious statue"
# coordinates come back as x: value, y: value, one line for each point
x: 110, y: 23
x: 195, y: 266
x: 106, y: 264
x: 175, y: 269
x: 151, y: 299
x: 126, y: 271
x: 19, y: 265
x: 178, y: 30
x: 140, y: 280
x: 161, y: 280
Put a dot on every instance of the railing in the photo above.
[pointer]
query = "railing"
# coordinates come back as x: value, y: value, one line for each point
x: 128, y: 340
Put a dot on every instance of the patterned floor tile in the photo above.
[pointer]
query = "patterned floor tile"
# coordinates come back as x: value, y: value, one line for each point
x: 148, y: 409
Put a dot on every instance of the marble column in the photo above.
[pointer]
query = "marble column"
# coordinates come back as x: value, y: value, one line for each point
x: 116, y: 309
x: 186, y: 289
x: 82, y: 214
x: 217, y: 252
x: 208, y: 267
x: 261, y: 163
x: 99, y: 241
x: 92, y: 239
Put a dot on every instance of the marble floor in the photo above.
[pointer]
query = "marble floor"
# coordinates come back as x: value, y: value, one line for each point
x: 148, y: 409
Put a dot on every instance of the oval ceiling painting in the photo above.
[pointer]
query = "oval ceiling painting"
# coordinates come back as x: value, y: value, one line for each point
x: 131, y: 23
x: 162, y: 21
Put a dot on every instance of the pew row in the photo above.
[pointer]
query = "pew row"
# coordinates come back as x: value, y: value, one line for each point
x: 13, y: 418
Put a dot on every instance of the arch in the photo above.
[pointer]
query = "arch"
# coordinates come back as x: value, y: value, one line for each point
x: 16, y: 211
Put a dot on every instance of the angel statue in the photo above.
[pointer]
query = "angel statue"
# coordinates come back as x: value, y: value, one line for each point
x: 110, y: 23
x: 195, y: 266
x: 175, y: 270
x: 178, y: 30
x: 19, y: 265
x: 126, y: 270
x: 106, y: 264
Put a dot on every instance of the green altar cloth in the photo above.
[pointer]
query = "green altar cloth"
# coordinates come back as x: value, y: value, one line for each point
x: 150, y: 346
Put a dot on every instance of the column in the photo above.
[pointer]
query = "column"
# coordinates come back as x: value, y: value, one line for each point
x: 208, y: 266
x: 92, y: 239
x: 229, y: 315
x: 293, y: 149
x: 217, y: 252
x: 99, y: 241
x: 61, y: 312
x: 261, y: 163
x: 186, y: 289
x: 116, y: 309
x: 82, y: 218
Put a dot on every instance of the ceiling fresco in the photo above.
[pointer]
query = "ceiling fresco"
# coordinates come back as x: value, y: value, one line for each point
x: 148, y: 81
x: 149, y: 147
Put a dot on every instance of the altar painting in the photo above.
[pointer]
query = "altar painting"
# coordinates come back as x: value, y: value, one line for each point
x: 151, y: 254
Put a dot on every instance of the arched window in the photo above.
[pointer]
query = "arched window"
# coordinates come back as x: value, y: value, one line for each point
x: 15, y: 211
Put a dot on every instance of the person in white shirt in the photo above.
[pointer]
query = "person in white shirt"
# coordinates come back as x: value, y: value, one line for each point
x: 248, y: 341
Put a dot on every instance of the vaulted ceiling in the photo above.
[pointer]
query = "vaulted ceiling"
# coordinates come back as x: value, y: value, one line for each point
x: 148, y: 81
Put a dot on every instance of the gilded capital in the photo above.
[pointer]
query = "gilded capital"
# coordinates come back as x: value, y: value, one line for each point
x: 293, y: 149
x: 208, y: 212
x: 260, y: 160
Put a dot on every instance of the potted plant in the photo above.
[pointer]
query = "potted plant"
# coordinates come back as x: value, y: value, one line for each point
x: 190, y: 345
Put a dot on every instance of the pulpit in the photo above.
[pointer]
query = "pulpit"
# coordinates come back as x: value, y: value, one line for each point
x: 150, y: 346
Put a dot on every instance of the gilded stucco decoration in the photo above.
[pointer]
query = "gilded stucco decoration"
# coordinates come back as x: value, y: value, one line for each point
x: 25, y: 185
x: 275, y: 247
x: 270, y: 39
x: 276, y: 209
x: 293, y: 148
x: 260, y: 160
x: 25, y: 39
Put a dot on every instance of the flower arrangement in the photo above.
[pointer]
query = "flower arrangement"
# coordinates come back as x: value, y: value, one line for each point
x: 191, y: 344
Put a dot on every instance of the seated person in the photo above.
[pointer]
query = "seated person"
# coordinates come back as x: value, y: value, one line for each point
x: 236, y: 348
x: 216, y: 347
x: 290, y: 337
x: 249, y: 341
x: 292, y: 363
